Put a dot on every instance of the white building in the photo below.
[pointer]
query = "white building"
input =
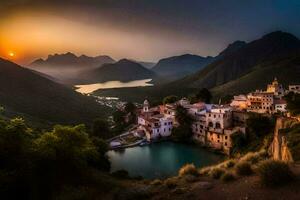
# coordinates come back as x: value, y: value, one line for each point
x: 294, y: 88
x: 280, y: 105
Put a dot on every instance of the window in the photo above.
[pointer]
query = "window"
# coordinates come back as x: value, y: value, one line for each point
x: 225, y: 143
x: 210, y: 124
x: 226, y: 137
x: 218, y: 125
x: 165, y: 123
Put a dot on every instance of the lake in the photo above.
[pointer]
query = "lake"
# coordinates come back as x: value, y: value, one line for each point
x: 89, y: 88
x: 160, y: 160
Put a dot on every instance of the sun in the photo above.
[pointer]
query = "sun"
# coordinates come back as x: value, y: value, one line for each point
x: 11, y: 54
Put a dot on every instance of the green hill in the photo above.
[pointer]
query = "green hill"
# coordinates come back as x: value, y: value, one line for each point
x: 24, y: 91
x: 271, y: 47
x: 286, y: 70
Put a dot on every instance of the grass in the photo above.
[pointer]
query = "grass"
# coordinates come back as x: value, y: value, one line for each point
x: 188, y: 169
x: 274, y: 173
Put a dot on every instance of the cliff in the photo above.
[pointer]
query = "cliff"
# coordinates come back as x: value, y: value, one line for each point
x: 279, y: 148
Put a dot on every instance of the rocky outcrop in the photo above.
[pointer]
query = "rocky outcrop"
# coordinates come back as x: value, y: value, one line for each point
x: 279, y: 147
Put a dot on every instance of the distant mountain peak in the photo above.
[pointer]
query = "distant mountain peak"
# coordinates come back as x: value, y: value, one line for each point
x: 232, y: 47
x: 126, y: 61
x: 280, y: 34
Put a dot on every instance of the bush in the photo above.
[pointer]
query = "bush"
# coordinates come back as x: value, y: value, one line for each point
x: 216, y: 173
x: 243, y: 168
x: 227, y: 177
x: 230, y: 163
x: 171, y: 183
x: 188, y: 169
x: 251, y: 157
x: 205, y: 170
x: 274, y: 173
x: 156, y: 182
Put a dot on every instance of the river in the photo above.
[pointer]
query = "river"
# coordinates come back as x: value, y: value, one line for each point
x: 160, y: 160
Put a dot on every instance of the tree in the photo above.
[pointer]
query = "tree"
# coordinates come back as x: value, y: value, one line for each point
x: 204, y: 95
x: 170, y: 99
x: 101, y: 129
x: 293, y: 103
x: 130, y: 108
x: 184, y: 131
x: 259, y: 125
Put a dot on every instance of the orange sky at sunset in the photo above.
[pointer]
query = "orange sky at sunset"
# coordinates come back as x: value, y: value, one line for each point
x: 31, y: 35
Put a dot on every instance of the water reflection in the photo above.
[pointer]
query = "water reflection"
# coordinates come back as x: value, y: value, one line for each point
x: 161, y: 159
x: 87, y: 89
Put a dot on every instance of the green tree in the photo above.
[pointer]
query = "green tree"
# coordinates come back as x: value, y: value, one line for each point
x: 130, y: 107
x: 259, y: 125
x: 204, y: 95
x: 183, y: 132
x: 101, y: 129
x: 170, y: 99
x: 293, y: 103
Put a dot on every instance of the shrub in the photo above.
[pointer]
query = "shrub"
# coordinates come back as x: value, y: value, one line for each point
x: 171, y: 183
x: 274, y: 173
x: 188, y: 169
x: 156, y: 182
x: 227, y: 177
x: 205, y: 170
x: 230, y: 163
x: 243, y: 168
x: 251, y: 157
x: 216, y: 173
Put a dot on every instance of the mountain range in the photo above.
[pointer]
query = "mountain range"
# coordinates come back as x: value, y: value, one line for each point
x: 273, y: 47
x: 25, y: 91
x: 242, y: 67
x: 124, y: 70
x: 179, y: 66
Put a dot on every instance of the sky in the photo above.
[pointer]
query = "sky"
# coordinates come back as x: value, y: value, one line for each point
x: 144, y: 30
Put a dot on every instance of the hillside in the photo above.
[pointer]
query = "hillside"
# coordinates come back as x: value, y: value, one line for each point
x: 24, y: 91
x: 271, y: 47
x: 180, y: 66
x: 286, y: 70
x: 123, y: 70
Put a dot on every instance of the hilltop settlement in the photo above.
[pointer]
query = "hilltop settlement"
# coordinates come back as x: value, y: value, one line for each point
x: 213, y: 124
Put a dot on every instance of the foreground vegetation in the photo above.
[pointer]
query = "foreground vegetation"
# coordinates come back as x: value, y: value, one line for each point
x: 46, y: 165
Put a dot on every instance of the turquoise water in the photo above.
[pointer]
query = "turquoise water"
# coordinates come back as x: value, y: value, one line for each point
x: 160, y: 160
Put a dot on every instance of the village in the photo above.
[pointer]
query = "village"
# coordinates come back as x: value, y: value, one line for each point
x: 213, y: 124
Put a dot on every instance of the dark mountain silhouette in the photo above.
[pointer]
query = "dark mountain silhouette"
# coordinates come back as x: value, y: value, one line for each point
x: 147, y: 65
x: 180, y: 66
x: 249, y: 67
x: 25, y: 91
x: 67, y: 67
x: 271, y: 47
x: 232, y: 48
x: 123, y: 70
x: 70, y: 60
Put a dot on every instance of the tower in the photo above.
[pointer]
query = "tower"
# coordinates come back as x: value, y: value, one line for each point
x: 146, y: 106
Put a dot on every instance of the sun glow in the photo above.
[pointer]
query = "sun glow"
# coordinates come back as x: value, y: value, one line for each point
x: 11, y: 54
